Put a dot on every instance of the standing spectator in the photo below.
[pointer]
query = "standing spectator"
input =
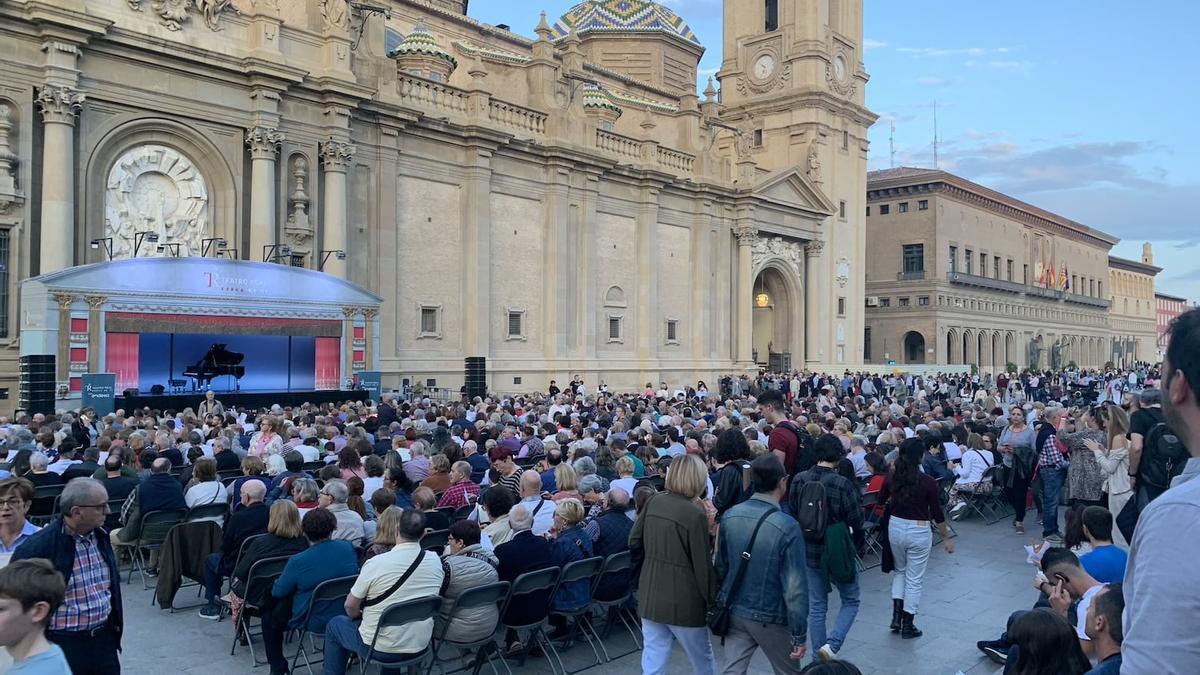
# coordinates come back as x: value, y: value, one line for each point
x: 30, y: 593
x: 825, y: 550
x: 1114, y: 463
x: 251, y: 520
x: 1020, y: 458
x: 1052, y: 469
x: 1161, y: 608
x: 1148, y: 413
x: 1103, y: 626
x: 369, y: 600
x: 88, y: 625
x: 732, y: 457
x: 768, y: 609
x: 914, y: 502
x: 677, y: 584
x: 786, y: 439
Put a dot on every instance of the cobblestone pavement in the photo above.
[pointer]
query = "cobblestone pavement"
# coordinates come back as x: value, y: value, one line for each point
x: 967, y: 597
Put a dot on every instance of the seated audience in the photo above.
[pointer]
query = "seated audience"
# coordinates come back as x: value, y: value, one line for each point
x: 306, y: 494
x: 16, y: 496
x: 462, y: 489
x: 439, y: 479
x: 384, y: 538
x: 571, y: 544
x: 496, y: 503
x: 425, y: 502
x: 525, y: 552
x: 333, y: 498
x: 1106, y: 561
x: 207, y: 489
x: 1103, y: 626
x: 249, y: 521
x: 468, y: 566
x: 1045, y: 644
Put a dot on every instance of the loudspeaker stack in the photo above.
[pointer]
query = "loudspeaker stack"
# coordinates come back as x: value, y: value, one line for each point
x: 476, y: 376
x: 37, y: 384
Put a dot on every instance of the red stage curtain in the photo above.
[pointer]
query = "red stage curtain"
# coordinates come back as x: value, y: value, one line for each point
x: 121, y: 358
x: 329, y: 363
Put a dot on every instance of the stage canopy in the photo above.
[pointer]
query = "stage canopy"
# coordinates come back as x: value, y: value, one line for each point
x: 117, y: 317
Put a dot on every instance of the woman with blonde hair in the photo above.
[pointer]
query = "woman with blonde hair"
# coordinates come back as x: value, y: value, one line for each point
x: 1114, y: 463
x: 677, y: 582
x: 385, y: 532
x: 567, y: 481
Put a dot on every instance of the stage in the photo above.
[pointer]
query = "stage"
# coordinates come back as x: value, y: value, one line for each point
x: 251, y: 400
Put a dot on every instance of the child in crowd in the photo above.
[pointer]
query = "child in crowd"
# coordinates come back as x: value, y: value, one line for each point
x: 30, y: 592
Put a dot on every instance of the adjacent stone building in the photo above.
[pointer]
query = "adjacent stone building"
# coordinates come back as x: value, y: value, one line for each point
x: 1133, y: 316
x: 1166, y: 308
x: 566, y: 203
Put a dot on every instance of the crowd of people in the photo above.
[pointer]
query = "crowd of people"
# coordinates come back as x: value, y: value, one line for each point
x: 742, y: 509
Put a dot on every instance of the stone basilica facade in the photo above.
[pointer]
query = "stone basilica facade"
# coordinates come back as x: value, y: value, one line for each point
x: 561, y: 203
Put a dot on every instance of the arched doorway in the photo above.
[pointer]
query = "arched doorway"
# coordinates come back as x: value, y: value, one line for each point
x: 914, y: 347
x: 778, y: 324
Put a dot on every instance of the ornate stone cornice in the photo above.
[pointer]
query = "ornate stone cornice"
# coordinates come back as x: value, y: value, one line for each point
x: 369, y: 313
x: 64, y: 300
x: 767, y: 248
x: 746, y: 236
x: 350, y: 312
x: 813, y: 248
x: 94, y: 301
x: 263, y: 142
x: 59, y: 104
x: 336, y: 155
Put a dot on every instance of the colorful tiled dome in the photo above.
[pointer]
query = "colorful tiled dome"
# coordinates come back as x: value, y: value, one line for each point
x: 421, y: 41
x: 595, y: 97
x: 622, y: 16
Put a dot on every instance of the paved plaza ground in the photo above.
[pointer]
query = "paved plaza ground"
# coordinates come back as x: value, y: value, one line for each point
x: 968, y: 596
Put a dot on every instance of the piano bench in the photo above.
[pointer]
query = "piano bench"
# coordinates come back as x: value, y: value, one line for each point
x: 177, y: 386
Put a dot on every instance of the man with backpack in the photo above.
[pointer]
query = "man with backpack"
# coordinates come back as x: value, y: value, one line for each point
x: 787, y: 441
x: 829, y: 512
x: 1155, y: 453
x: 1161, y: 598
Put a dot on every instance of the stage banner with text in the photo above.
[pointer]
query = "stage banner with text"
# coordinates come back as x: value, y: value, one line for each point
x: 372, y: 382
x: 100, y: 392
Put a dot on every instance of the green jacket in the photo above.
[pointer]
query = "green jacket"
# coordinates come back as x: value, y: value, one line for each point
x: 677, y: 585
x: 838, y: 560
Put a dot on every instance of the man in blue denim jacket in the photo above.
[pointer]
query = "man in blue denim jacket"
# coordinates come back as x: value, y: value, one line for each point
x: 769, y: 610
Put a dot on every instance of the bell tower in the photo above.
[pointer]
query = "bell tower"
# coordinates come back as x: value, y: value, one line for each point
x: 794, y: 85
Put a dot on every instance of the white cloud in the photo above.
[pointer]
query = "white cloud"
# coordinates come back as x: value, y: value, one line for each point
x: 873, y: 44
x: 1001, y: 64
x: 931, y: 81
x: 940, y: 52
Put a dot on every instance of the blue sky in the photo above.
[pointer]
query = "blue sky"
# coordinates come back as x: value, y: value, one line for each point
x: 1085, y: 109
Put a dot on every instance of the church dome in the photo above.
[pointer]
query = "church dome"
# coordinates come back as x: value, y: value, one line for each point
x: 421, y: 42
x: 622, y: 16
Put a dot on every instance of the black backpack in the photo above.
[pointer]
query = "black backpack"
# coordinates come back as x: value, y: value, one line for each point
x: 812, y: 507
x: 1163, y: 456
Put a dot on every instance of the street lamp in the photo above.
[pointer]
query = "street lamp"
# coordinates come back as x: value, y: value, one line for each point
x: 147, y: 235
x: 207, y: 244
x: 106, y: 242
x: 341, y: 255
x: 273, y: 252
x: 173, y: 248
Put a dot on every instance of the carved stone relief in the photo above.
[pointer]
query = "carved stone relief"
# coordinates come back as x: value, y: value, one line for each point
x: 174, y: 13
x: 298, y: 229
x: 155, y: 188
x: 10, y: 195
x: 336, y: 14
x: 764, y: 248
x: 843, y: 271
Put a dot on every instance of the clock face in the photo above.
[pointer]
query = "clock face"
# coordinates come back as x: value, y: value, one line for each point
x: 764, y: 65
x: 839, y: 68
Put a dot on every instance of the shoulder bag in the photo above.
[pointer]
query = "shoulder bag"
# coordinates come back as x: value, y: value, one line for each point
x: 367, y: 602
x: 719, y: 616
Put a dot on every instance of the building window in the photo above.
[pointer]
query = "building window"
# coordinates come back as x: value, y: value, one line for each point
x: 884, y: 209
x: 1009, y: 263
x: 5, y: 240
x: 1025, y: 274
x: 1074, y: 284
x: 904, y: 302
x: 923, y: 205
x: 885, y: 302
x: 758, y: 138
x: 983, y: 264
x: 516, y: 324
x: 923, y: 301
x: 772, y: 18
x: 431, y: 321
x: 867, y: 344
x: 845, y: 140
x: 914, y: 258
x: 841, y: 306
x: 842, y: 209
x: 614, y: 328
x: 672, y: 331
x: 970, y: 256
x: 1091, y: 290
x: 903, y: 207
x: 953, y: 259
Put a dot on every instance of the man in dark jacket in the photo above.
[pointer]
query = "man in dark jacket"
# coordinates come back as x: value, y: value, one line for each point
x: 88, y: 625
x: 227, y: 460
x: 157, y: 492
x: 525, y: 552
x: 246, y: 522
x: 84, y: 469
x: 118, y: 486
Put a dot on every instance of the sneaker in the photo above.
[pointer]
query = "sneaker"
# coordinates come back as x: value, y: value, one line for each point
x: 211, y: 612
x: 1020, y: 527
x: 994, y: 650
x: 958, y: 511
x: 825, y: 654
x: 1055, y: 540
x: 152, y: 572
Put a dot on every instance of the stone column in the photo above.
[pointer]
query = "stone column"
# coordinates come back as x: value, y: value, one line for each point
x: 263, y: 143
x: 556, y: 302
x: 94, y: 302
x: 60, y: 105
x: 477, y: 308
x: 62, y: 360
x: 812, y: 250
x: 335, y: 159
x: 369, y: 314
x: 703, y: 282
x: 348, y: 314
x: 647, y: 273
x: 745, y: 288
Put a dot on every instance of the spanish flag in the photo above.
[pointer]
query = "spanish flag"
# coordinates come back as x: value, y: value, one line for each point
x: 1051, y: 277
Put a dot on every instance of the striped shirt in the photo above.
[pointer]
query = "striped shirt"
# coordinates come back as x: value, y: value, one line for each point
x: 88, y: 601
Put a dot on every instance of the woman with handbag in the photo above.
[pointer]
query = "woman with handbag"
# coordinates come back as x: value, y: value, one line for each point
x: 677, y: 586
x: 912, y: 501
x: 1020, y: 460
x: 1114, y: 463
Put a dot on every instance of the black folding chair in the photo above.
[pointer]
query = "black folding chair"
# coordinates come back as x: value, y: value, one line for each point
x: 155, y: 526
x: 229, y: 473
x: 447, y: 511
x: 531, y: 593
x: 45, y: 503
x: 611, y: 594
x: 870, y: 527
x: 208, y: 511
x: 400, y: 614
x: 435, y: 541
x: 259, y: 579
x: 325, y: 592
x: 491, y: 594
x: 580, y: 570
x: 462, y: 512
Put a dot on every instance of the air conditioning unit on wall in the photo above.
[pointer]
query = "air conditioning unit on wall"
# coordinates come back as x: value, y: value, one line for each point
x: 872, y: 301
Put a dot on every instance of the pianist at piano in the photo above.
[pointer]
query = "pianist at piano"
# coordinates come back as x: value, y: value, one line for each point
x: 234, y: 326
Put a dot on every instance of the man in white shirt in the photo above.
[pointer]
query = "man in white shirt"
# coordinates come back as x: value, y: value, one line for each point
x: 376, y: 590
x: 531, y: 498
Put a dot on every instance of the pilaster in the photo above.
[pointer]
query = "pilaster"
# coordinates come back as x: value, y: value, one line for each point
x: 336, y: 157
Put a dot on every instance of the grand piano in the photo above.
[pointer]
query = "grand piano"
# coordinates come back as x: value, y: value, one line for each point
x: 217, y: 362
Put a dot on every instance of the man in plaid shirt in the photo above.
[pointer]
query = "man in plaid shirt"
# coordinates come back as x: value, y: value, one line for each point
x: 1052, y: 468
x: 461, y: 487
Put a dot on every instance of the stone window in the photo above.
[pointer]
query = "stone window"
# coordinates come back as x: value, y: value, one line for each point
x: 967, y: 260
x: 904, y: 302
x: 1010, y: 269
x: 885, y: 302
x: 758, y: 138
x: 884, y: 209
x: 772, y: 16
x: 842, y: 209
x: 841, y: 306
x: 868, y: 212
x: 615, y: 327
x: 430, y: 321
x: 953, y: 259
x: 914, y: 258
x: 923, y: 205
x: 516, y: 324
x: 923, y: 301
x: 903, y: 207
x: 672, y: 331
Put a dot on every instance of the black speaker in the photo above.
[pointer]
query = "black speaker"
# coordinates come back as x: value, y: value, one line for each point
x: 35, y: 391
x: 475, y: 372
x: 130, y: 392
x: 157, y: 389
